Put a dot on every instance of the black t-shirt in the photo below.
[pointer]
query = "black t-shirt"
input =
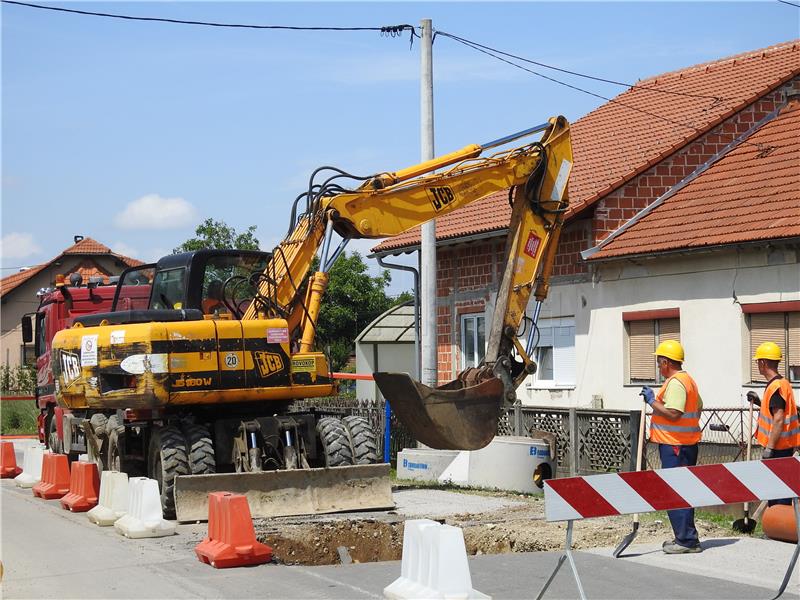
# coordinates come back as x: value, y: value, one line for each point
x: 776, y: 401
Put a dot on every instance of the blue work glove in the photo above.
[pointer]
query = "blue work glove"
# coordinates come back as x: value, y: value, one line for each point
x: 648, y: 395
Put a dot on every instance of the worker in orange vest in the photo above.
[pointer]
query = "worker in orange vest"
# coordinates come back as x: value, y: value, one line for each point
x: 778, y: 429
x: 675, y: 427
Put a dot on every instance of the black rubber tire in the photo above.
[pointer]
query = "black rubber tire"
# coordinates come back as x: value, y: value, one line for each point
x: 363, y: 440
x: 199, y: 449
x: 167, y: 459
x: 335, y: 442
x: 53, y: 443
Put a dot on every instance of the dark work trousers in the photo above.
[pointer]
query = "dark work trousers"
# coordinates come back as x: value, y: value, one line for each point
x: 682, y: 520
x: 781, y: 454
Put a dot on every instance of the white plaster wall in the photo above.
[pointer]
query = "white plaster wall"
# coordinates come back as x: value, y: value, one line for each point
x: 706, y: 288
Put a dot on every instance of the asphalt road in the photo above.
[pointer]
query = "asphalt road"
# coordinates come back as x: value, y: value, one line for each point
x: 50, y: 553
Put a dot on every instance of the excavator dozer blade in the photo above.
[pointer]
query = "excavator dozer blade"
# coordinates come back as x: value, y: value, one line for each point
x: 454, y: 416
x: 288, y: 493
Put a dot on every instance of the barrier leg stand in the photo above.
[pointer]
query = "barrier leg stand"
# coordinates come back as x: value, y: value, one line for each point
x: 793, y: 560
x: 568, y: 555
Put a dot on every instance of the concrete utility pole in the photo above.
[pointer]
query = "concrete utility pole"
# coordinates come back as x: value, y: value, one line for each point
x: 428, y: 241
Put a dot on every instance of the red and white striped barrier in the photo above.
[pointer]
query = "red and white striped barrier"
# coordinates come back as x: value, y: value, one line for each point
x: 668, y: 489
x: 611, y: 494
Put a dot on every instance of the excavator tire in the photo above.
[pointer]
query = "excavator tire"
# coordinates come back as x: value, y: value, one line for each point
x: 167, y: 459
x: 335, y: 442
x: 362, y: 440
x: 200, y: 450
x: 113, y: 425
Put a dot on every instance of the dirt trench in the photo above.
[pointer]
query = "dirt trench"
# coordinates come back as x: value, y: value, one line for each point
x: 515, y: 529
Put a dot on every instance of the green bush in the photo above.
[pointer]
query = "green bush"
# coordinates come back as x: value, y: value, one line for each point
x: 18, y: 417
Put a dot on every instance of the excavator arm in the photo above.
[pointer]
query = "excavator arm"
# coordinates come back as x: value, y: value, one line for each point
x: 462, y: 414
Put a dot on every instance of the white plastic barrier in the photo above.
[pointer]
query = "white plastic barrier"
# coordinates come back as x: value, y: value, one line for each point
x: 144, y: 518
x: 434, y: 564
x: 31, y: 467
x: 113, y: 502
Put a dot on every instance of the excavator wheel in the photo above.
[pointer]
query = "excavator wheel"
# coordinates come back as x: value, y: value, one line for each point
x: 363, y: 440
x: 98, y: 422
x: 335, y: 442
x: 167, y: 459
x: 200, y: 450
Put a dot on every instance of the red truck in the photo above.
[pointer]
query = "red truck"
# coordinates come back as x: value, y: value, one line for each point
x: 58, y: 308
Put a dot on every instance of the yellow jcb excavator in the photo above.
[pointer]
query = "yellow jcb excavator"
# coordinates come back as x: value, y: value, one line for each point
x: 190, y: 378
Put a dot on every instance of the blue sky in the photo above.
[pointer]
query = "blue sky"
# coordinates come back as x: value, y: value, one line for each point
x: 132, y: 132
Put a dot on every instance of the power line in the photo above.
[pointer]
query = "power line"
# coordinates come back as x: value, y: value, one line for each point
x: 789, y: 3
x: 387, y: 30
x: 600, y: 96
x: 476, y: 45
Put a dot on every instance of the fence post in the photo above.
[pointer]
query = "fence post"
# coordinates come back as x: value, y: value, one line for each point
x: 633, y: 424
x: 573, y: 441
x: 518, y: 418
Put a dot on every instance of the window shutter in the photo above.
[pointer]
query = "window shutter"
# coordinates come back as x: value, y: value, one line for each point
x: 794, y: 340
x: 564, y: 355
x: 669, y: 329
x: 766, y: 327
x: 642, y: 345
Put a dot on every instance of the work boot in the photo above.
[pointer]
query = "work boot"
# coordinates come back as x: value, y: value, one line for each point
x: 676, y: 548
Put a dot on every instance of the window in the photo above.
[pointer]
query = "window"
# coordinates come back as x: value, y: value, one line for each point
x: 644, y: 335
x: 783, y: 328
x: 28, y: 355
x: 555, y: 353
x: 168, y: 289
x: 473, y: 340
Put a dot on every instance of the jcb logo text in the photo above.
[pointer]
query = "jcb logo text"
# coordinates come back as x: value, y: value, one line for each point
x: 268, y: 363
x: 440, y: 197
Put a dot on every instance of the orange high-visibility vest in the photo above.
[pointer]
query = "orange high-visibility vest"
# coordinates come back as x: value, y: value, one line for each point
x: 790, y: 436
x: 686, y: 430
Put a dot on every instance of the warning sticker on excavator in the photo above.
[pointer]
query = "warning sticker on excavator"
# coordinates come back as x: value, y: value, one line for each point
x: 304, y: 365
x: 532, y: 245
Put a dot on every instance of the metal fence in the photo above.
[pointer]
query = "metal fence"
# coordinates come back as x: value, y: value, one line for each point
x: 588, y: 440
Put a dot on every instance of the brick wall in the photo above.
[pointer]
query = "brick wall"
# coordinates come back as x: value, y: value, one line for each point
x: 615, y: 209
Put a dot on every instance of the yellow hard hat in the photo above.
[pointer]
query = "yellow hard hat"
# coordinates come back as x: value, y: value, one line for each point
x: 671, y: 349
x: 768, y: 350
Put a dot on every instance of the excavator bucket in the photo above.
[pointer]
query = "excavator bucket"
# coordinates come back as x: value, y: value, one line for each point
x: 455, y: 416
x: 290, y: 492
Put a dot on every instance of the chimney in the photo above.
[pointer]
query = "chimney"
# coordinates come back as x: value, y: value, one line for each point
x: 77, y: 238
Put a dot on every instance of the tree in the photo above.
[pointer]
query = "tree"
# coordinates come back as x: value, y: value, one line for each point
x: 216, y: 234
x: 352, y: 301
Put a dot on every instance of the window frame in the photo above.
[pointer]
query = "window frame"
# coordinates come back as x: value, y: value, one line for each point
x: 790, y: 312
x: 556, y: 383
x: 655, y: 317
x: 477, y: 355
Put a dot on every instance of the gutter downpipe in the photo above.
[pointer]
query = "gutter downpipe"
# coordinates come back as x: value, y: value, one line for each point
x: 388, y: 410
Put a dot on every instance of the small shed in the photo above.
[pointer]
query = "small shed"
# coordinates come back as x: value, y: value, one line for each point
x: 386, y: 344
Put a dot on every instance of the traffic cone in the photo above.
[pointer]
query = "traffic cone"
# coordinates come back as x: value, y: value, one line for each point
x: 55, y: 477
x: 8, y: 461
x: 84, y: 487
x: 231, y: 540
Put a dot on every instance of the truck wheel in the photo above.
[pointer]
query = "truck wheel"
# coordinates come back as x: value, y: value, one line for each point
x: 98, y: 423
x: 52, y: 434
x: 167, y: 460
x: 362, y: 439
x: 335, y: 442
x: 200, y: 450
x: 115, y: 445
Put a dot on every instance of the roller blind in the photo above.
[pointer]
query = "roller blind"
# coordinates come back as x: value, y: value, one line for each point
x: 642, y: 344
x: 766, y: 327
x: 669, y: 329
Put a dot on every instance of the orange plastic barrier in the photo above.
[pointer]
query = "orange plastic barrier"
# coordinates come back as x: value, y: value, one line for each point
x: 8, y: 461
x: 231, y: 540
x: 84, y: 487
x: 778, y: 523
x: 55, y: 477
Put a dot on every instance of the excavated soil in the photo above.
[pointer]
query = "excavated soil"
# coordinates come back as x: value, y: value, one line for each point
x: 339, y: 539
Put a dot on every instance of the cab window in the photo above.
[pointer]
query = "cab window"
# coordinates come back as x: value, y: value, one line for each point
x: 228, y: 282
x: 169, y: 289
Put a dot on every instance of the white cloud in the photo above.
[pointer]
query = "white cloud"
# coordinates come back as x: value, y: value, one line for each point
x: 18, y: 245
x: 154, y: 212
x: 125, y: 249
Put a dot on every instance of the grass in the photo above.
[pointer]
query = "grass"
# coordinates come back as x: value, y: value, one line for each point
x: 721, y: 520
x: 18, y: 417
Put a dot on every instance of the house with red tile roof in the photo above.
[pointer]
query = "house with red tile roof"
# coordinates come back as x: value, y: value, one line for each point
x: 684, y: 223
x: 89, y: 258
